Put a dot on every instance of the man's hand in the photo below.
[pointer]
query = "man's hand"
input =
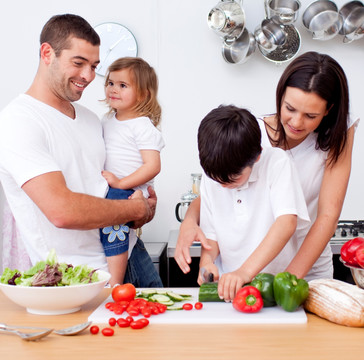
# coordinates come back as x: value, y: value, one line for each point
x: 189, y: 232
x: 149, y: 206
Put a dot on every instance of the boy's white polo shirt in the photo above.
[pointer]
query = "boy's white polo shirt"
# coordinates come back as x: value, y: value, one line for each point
x: 238, y: 219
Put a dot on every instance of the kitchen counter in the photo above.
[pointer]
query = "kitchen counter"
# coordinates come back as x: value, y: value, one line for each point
x: 318, y: 339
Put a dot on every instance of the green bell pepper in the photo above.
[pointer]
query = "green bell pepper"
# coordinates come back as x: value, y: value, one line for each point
x: 289, y: 292
x: 264, y: 283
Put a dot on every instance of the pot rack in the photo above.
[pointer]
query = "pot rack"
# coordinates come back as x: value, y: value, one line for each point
x: 347, y: 21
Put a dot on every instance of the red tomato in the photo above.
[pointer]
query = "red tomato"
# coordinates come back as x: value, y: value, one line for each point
x: 123, y: 323
x: 144, y: 321
x: 187, y: 306
x: 198, y: 306
x: 348, y: 250
x: 94, y: 329
x: 146, y: 312
x: 359, y: 254
x: 125, y: 292
x: 130, y: 319
x: 107, y: 332
x: 139, y: 324
x: 112, y: 321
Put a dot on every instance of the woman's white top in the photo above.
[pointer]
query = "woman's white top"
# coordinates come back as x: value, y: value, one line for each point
x: 310, y: 164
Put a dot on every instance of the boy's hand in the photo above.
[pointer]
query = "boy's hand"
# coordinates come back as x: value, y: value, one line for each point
x: 189, y: 232
x: 204, y: 272
x: 230, y: 283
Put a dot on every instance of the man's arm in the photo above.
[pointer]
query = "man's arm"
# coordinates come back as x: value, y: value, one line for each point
x: 70, y: 210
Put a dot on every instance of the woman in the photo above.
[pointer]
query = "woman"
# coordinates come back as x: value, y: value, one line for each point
x: 313, y: 126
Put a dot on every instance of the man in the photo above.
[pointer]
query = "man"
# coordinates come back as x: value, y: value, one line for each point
x: 52, y: 154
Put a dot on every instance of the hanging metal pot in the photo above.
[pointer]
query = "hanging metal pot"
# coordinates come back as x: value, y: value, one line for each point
x: 240, y: 50
x: 227, y: 19
x: 322, y: 19
x: 288, y: 50
x: 284, y: 12
x: 353, y: 21
x: 270, y: 35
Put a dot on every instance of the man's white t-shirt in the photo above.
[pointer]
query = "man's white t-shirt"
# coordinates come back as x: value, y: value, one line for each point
x: 238, y: 219
x: 36, y: 139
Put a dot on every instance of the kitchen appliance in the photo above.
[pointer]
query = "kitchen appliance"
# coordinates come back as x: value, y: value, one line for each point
x: 187, y: 198
x: 345, y: 231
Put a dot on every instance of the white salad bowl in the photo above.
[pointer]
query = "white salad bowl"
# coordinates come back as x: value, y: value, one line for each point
x: 55, y: 300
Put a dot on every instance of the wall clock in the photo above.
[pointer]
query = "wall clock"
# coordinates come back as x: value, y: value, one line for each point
x: 116, y: 41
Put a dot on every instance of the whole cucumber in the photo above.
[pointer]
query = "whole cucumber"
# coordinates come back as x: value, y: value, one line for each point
x: 208, y: 293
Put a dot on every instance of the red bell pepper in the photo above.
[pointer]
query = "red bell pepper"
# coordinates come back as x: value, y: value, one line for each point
x: 348, y: 250
x: 248, y: 299
x: 359, y: 254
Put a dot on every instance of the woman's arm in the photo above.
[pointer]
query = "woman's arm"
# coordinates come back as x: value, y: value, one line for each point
x: 150, y: 168
x: 277, y: 237
x: 331, y: 199
x: 189, y: 232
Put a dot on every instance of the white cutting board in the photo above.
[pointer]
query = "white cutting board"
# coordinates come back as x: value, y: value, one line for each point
x: 211, y: 313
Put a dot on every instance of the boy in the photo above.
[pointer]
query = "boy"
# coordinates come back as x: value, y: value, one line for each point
x: 251, y: 201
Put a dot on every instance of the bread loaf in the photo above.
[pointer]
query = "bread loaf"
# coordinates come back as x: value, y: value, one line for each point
x: 337, y: 301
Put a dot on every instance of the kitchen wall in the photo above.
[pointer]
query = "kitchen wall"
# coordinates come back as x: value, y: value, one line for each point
x: 173, y: 36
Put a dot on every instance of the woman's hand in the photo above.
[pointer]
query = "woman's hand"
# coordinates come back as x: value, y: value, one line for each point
x: 189, y: 232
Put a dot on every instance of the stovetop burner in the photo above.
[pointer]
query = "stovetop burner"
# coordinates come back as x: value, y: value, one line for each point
x: 346, y: 230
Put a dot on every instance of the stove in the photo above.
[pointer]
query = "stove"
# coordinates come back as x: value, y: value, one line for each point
x: 346, y: 230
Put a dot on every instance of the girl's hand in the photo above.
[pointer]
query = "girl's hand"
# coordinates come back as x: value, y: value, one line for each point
x: 205, y: 270
x: 111, y: 179
x: 230, y: 283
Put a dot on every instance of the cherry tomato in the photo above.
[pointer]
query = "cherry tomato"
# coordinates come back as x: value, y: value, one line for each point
x: 133, y: 311
x: 187, y: 306
x: 112, y: 321
x: 130, y: 319
x: 125, y: 292
x: 146, y: 312
x: 198, y: 306
x: 144, y: 321
x: 107, y: 332
x: 110, y: 305
x: 139, y: 324
x: 123, y: 322
x: 94, y: 329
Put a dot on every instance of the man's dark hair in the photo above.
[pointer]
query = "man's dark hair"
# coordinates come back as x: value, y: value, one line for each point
x: 60, y: 28
x: 228, y: 141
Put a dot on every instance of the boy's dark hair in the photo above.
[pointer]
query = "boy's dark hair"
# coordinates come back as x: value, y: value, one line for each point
x: 228, y: 141
x: 59, y: 28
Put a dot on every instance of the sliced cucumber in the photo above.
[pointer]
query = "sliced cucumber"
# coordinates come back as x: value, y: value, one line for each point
x: 175, y: 307
x: 148, y: 292
x: 174, y: 296
x: 160, y: 298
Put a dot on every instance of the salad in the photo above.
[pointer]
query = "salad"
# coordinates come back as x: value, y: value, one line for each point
x: 50, y: 273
